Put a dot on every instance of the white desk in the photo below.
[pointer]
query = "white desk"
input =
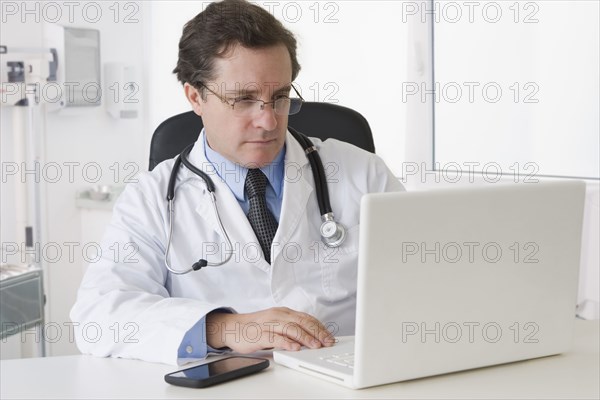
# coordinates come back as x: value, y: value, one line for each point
x: 571, y: 375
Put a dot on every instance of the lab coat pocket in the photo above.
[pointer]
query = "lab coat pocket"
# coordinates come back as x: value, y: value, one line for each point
x: 339, y: 267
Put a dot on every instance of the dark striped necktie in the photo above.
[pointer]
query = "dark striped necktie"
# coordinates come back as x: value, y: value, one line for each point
x: 262, y: 221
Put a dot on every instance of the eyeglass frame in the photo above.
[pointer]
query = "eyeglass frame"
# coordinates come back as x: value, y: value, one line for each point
x: 232, y: 105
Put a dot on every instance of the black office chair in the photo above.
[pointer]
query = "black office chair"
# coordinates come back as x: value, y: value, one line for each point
x: 321, y: 120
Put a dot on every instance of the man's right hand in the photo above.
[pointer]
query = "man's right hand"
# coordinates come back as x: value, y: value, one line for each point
x: 274, y: 328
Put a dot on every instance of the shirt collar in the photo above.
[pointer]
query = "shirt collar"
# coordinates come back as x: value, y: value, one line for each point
x: 234, y: 175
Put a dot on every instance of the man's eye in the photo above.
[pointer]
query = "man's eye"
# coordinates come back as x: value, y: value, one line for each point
x: 244, y: 98
x: 282, y: 96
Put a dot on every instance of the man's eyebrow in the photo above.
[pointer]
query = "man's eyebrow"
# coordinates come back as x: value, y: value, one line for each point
x: 286, y: 88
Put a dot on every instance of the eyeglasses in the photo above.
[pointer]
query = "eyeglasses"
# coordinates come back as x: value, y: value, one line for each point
x: 245, y: 106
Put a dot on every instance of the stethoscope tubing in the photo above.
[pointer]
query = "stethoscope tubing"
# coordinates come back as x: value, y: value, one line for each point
x: 316, y: 166
x: 318, y: 175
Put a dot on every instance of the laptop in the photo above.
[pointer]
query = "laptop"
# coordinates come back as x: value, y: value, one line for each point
x: 455, y: 279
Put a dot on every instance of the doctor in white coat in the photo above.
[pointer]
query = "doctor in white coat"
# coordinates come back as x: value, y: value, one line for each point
x: 234, y: 60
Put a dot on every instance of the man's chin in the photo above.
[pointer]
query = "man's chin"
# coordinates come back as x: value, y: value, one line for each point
x: 259, y: 160
x: 259, y: 154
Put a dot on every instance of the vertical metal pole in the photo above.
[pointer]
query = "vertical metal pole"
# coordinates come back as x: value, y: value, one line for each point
x: 32, y: 160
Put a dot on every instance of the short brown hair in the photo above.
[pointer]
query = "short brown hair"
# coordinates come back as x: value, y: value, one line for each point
x: 214, y: 31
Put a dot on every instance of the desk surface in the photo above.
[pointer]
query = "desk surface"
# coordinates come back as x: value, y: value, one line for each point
x: 571, y: 375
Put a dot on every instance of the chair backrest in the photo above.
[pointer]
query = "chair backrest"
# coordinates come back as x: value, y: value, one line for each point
x: 321, y: 120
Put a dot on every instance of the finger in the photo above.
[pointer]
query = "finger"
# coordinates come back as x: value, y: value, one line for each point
x: 293, y: 332
x: 284, y: 323
x: 315, y: 329
x: 280, y: 342
x: 297, y: 326
x: 263, y: 340
x: 308, y: 331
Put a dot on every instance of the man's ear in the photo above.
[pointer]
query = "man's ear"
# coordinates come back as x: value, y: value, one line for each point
x: 194, y: 97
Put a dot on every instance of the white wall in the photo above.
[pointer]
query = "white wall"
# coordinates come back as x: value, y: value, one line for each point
x: 81, y: 136
x: 351, y: 52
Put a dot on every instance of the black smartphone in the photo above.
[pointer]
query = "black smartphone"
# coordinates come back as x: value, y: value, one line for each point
x: 216, y: 371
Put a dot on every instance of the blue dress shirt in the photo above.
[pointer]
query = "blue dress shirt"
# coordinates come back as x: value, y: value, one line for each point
x: 194, y: 343
x: 234, y: 176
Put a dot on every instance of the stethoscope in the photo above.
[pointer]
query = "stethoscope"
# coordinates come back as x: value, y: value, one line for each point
x: 333, y: 233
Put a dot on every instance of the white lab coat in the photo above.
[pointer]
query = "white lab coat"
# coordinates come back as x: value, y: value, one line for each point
x: 130, y: 306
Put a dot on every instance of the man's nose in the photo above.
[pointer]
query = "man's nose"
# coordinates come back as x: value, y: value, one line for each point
x: 266, y: 118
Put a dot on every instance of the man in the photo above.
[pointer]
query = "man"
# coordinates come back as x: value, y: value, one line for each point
x: 237, y: 64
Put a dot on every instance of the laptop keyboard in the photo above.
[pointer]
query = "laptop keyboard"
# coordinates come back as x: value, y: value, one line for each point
x: 344, y: 360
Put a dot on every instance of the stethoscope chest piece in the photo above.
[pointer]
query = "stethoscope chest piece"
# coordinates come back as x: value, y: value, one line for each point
x: 332, y: 233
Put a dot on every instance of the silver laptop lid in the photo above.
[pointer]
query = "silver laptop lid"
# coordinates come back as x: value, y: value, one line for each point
x: 455, y: 279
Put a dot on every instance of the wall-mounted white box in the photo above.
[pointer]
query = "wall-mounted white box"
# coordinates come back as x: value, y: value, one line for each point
x: 78, y: 74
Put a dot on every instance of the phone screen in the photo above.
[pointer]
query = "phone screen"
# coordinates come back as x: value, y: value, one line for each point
x: 216, y: 368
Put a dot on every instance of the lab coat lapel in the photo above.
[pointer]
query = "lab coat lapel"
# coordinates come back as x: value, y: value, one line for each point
x: 233, y: 219
x: 297, y: 189
x: 232, y: 216
x: 204, y: 205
